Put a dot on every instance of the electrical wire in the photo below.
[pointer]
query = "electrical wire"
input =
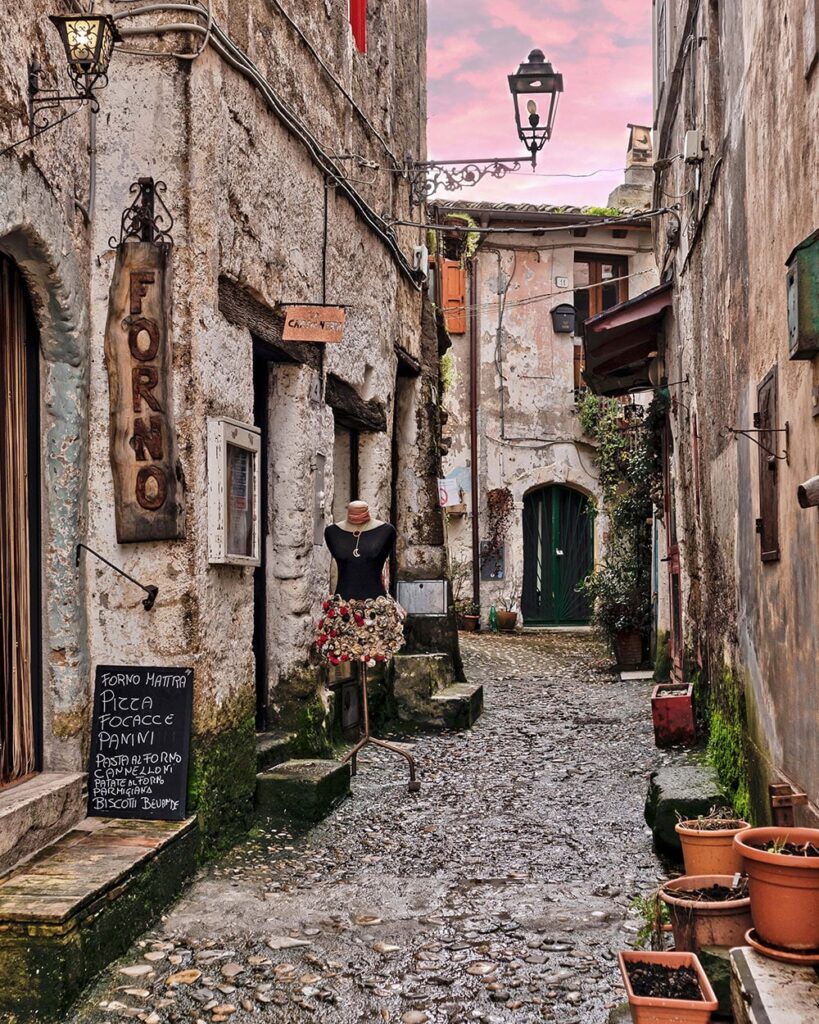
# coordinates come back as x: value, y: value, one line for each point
x: 236, y: 58
x: 631, y: 218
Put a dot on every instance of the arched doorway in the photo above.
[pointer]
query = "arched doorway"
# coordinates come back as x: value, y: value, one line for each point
x: 19, y: 530
x: 558, y: 552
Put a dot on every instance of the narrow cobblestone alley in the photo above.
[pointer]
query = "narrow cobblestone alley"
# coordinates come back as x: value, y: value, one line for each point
x: 499, y: 893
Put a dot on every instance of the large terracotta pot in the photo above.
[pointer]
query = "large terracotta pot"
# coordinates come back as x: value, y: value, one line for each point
x: 506, y: 620
x: 705, y: 922
x: 649, y: 1010
x: 628, y: 648
x: 784, y: 888
x: 710, y: 851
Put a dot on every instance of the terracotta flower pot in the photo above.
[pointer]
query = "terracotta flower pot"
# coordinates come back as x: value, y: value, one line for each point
x: 506, y: 620
x: 698, y: 923
x: 672, y: 713
x: 653, y: 1010
x: 784, y: 888
x: 710, y: 851
x: 470, y: 623
x: 628, y: 648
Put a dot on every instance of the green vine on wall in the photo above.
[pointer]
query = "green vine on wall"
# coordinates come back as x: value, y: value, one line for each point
x: 629, y: 460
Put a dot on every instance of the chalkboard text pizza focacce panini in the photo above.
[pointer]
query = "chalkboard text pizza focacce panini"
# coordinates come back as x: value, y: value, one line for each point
x: 140, y: 742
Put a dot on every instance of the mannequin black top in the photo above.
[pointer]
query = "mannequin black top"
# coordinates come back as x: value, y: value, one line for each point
x: 360, y: 578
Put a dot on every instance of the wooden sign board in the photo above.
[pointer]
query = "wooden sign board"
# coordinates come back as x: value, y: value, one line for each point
x: 313, y: 323
x: 140, y: 740
x: 148, y: 496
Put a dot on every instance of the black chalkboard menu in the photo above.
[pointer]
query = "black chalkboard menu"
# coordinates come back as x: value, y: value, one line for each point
x: 140, y: 740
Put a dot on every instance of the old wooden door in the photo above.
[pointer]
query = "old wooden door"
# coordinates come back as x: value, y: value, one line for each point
x: 558, y: 553
x: 19, y: 529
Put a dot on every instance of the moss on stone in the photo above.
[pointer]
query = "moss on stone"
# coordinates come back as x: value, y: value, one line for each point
x: 313, y: 724
x: 663, y: 661
x: 222, y: 774
x: 727, y: 745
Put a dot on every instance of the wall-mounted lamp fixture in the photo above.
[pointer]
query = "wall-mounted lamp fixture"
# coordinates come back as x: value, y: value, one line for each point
x: 88, y: 41
x: 540, y: 86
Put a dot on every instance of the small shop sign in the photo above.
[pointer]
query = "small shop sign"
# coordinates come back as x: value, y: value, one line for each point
x: 313, y: 323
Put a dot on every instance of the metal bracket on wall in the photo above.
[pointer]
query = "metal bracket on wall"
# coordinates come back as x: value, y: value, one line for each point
x: 147, y: 219
x: 750, y: 431
x: 150, y: 590
x: 783, y: 800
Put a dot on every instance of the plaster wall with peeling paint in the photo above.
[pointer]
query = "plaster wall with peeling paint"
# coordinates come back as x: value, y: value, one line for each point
x: 252, y: 206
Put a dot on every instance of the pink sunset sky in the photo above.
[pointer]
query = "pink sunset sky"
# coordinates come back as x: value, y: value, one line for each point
x: 603, y: 50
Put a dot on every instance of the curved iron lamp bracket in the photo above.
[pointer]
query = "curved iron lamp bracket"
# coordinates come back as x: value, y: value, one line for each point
x: 426, y: 177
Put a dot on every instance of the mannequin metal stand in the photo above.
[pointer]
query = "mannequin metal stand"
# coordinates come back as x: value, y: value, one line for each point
x: 414, y: 784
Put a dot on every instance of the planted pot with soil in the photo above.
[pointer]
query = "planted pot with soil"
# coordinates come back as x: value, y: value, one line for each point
x: 708, y: 845
x: 707, y: 910
x: 667, y: 988
x: 782, y: 865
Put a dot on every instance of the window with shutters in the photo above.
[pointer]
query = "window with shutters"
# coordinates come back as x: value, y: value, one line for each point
x: 453, y: 295
x: 767, y: 524
x: 599, y: 282
x: 358, y: 20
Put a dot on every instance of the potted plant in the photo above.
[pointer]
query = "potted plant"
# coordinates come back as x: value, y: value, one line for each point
x: 666, y: 988
x: 507, y: 614
x: 672, y: 713
x: 469, y: 615
x: 622, y: 606
x: 782, y: 864
x: 708, y: 843
x: 707, y: 910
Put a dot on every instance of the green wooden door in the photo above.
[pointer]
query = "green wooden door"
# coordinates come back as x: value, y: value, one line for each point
x: 558, y: 552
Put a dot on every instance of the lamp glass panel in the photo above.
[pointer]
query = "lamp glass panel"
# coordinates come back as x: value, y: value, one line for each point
x: 82, y: 38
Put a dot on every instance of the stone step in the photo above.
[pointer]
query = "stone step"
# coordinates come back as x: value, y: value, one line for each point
x: 36, y: 812
x: 305, y: 789
x: 677, y: 793
x: 80, y: 903
x: 765, y: 991
x: 459, y: 705
x: 272, y: 748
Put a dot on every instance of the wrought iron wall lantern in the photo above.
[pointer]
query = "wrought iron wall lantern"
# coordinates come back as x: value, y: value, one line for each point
x: 88, y: 41
x: 535, y: 82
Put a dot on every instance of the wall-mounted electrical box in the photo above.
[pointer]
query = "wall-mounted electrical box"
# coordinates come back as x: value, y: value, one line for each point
x: 423, y: 597
x: 692, y: 146
x: 803, y: 299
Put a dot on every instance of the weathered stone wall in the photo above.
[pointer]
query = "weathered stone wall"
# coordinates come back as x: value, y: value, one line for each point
x: 249, y: 203
x: 752, y: 199
x: 528, y: 430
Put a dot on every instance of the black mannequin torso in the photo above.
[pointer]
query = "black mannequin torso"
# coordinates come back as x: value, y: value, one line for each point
x: 359, y: 577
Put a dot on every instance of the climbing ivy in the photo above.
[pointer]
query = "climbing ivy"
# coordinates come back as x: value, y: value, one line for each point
x: 628, y: 453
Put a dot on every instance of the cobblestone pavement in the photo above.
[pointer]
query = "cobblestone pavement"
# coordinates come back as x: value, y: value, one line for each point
x: 498, y: 893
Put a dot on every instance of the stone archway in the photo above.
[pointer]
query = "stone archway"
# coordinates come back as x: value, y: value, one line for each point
x: 33, y: 234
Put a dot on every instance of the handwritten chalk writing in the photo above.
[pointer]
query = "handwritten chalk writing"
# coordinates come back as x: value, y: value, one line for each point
x: 139, y: 744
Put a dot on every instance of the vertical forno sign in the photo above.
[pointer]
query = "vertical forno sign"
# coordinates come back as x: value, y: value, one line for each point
x: 148, y: 495
x: 140, y: 741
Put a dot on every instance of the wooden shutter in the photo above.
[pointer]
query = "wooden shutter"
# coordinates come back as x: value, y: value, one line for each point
x: 358, y: 20
x: 453, y: 295
x: 579, y: 383
x: 768, y: 523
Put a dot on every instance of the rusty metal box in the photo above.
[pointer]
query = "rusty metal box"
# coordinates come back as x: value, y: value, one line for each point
x: 803, y: 299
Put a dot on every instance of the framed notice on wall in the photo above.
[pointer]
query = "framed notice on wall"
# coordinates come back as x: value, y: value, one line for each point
x: 233, y: 493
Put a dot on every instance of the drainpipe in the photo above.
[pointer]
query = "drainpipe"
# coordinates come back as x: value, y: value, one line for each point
x: 474, y: 376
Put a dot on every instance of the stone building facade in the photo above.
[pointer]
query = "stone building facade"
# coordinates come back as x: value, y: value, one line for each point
x: 737, y: 102
x: 280, y: 142
x: 515, y: 431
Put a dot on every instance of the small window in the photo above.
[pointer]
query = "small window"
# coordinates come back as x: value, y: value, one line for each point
x: 358, y: 20
x: 600, y: 283
x: 768, y: 523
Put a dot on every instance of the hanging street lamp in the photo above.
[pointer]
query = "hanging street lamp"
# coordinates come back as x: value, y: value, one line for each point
x: 537, y: 80
x: 88, y: 41
x: 536, y: 84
